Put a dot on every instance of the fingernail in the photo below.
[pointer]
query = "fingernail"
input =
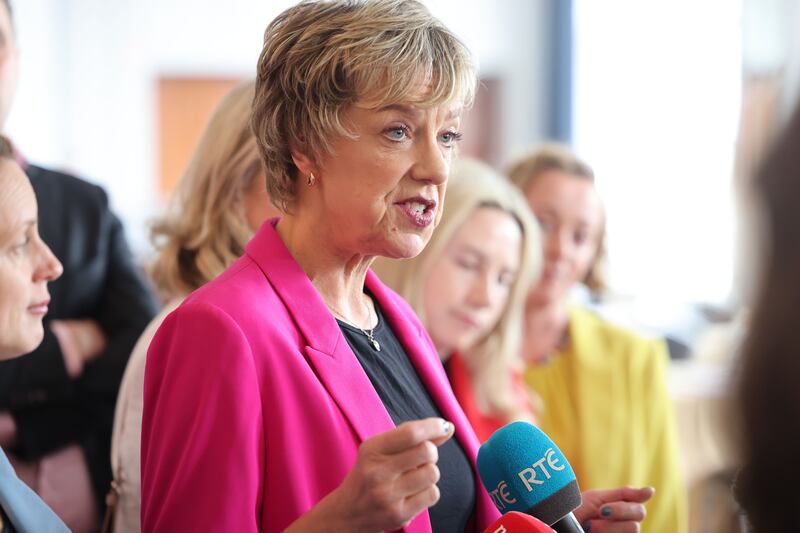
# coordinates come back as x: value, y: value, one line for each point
x: 605, y: 511
x: 587, y: 526
x: 446, y: 426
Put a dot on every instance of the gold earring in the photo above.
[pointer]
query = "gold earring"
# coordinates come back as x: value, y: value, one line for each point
x: 311, y: 179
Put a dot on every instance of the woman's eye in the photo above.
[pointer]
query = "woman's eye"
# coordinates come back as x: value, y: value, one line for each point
x: 467, y: 265
x: 545, y: 225
x: 580, y: 237
x: 506, y: 279
x: 19, y: 246
x: 449, y: 138
x: 397, y: 134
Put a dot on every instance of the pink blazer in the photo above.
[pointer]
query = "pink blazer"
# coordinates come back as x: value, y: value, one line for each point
x: 254, y: 404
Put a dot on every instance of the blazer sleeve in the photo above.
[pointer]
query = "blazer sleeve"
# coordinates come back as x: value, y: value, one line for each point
x: 202, y: 430
x: 668, y: 510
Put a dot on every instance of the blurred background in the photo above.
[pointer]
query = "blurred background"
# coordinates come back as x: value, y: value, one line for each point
x: 672, y: 103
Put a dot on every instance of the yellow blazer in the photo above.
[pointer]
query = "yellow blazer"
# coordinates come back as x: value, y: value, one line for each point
x: 607, y: 407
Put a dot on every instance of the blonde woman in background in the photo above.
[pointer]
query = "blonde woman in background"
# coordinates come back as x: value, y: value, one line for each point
x: 604, y: 389
x: 220, y: 202
x: 469, y: 287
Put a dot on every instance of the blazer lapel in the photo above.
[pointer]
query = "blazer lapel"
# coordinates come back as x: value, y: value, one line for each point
x: 422, y: 356
x: 327, y: 350
x: 419, y: 349
x: 336, y: 365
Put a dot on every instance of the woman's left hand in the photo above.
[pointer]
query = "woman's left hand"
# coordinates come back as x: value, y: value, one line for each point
x: 613, y: 510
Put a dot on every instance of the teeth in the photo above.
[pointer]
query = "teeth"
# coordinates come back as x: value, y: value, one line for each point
x: 416, y: 206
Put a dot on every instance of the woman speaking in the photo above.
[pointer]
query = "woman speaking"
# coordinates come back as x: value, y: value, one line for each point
x: 295, y: 391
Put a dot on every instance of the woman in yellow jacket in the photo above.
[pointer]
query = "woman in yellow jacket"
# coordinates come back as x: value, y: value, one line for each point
x: 604, y: 390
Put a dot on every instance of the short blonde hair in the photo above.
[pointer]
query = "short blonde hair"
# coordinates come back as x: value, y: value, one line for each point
x: 473, y: 185
x: 320, y: 57
x: 205, y: 228
x: 555, y: 156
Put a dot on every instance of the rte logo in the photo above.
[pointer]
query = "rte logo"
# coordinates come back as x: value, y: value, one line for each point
x: 528, y: 475
x: 501, y: 496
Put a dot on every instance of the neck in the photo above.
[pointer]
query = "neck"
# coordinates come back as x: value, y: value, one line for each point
x: 444, y: 354
x: 337, y: 275
x: 546, y: 326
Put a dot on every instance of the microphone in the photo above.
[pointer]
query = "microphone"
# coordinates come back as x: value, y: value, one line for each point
x: 514, y: 522
x: 524, y: 471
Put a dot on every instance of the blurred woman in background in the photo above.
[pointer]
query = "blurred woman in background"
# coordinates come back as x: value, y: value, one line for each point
x: 220, y: 201
x: 26, y: 266
x: 469, y: 287
x: 604, y: 389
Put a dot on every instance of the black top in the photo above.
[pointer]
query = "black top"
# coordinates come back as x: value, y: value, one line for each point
x: 406, y: 398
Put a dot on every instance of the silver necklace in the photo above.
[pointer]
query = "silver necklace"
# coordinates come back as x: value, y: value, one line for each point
x: 369, y: 333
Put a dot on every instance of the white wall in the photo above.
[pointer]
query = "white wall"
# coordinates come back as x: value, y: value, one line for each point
x: 86, y: 99
x: 656, y: 114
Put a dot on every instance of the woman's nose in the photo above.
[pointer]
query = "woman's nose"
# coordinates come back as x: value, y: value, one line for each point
x: 432, y: 164
x: 556, y: 247
x: 480, y: 291
x: 49, y: 268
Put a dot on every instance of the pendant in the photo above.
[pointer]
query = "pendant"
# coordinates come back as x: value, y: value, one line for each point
x: 375, y: 344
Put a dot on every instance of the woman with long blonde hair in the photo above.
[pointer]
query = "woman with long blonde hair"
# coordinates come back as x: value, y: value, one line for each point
x: 219, y: 203
x: 469, y: 287
x: 478, y: 333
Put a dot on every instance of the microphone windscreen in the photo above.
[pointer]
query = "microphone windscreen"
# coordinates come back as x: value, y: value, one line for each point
x: 514, y: 522
x: 523, y: 470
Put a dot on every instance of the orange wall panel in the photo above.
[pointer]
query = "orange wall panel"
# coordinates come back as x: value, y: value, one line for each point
x: 184, y: 106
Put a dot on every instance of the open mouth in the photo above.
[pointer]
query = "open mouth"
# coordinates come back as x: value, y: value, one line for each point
x: 420, y: 211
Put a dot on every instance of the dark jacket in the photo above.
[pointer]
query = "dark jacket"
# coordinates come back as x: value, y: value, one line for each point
x: 100, y: 282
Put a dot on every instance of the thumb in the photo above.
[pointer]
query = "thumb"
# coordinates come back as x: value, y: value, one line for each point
x: 449, y: 430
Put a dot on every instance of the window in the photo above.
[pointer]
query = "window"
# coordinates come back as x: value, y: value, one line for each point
x: 656, y: 106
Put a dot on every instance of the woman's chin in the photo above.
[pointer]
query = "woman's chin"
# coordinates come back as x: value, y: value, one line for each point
x: 545, y: 294
x: 35, y: 338
x: 21, y: 346
x: 406, y: 249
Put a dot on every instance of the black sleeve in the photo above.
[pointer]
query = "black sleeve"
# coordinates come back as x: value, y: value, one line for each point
x: 126, y: 307
x: 45, y: 428
x: 36, y: 378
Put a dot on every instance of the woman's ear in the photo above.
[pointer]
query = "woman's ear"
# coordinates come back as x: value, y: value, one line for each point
x: 303, y: 163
